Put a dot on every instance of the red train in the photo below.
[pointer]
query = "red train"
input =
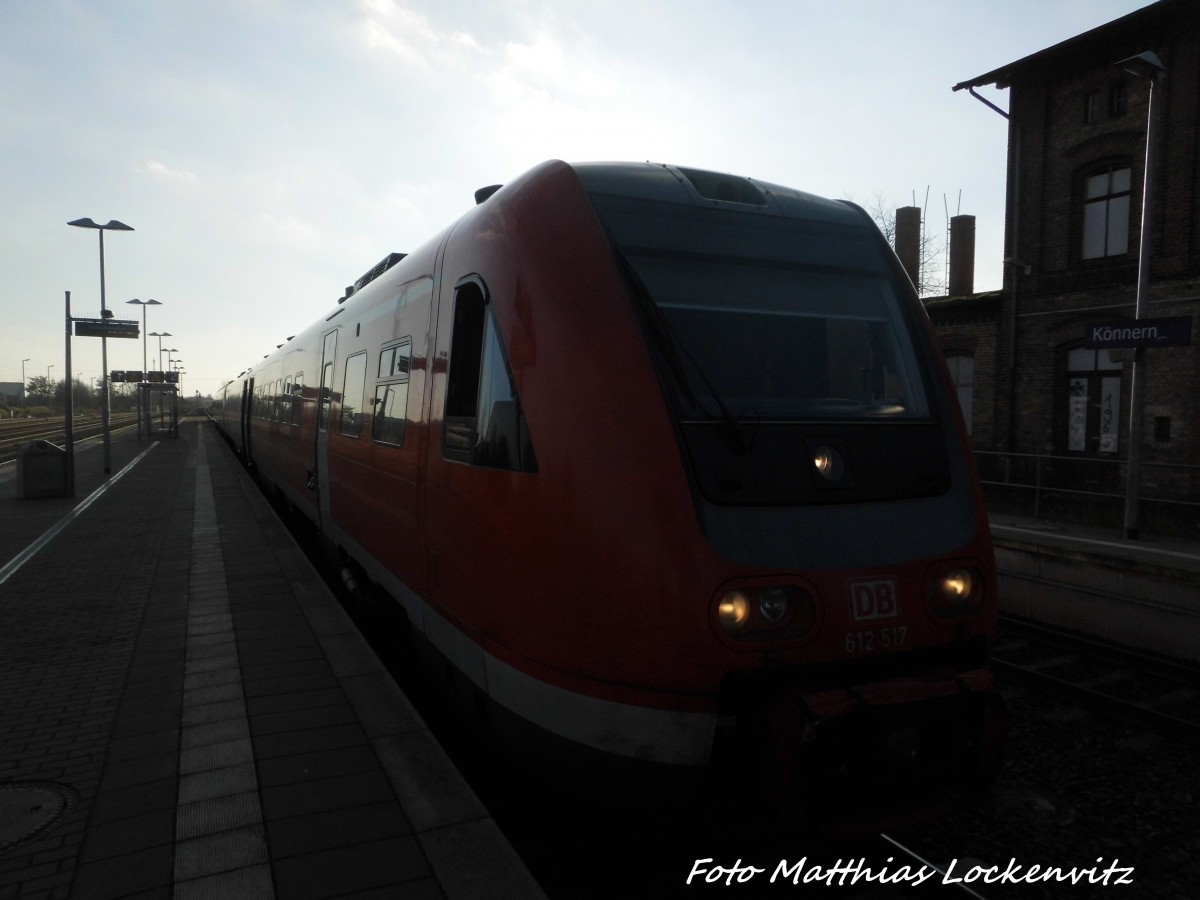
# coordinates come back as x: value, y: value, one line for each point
x: 665, y: 467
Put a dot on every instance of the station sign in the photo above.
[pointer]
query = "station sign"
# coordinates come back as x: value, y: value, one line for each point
x: 1128, y: 334
x: 121, y: 376
x: 107, y: 328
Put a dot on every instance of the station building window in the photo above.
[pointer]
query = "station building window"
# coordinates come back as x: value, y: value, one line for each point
x: 1093, y: 381
x: 1106, y: 207
x: 962, y: 372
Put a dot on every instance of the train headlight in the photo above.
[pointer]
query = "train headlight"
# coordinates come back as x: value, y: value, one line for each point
x: 734, y: 611
x: 829, y: 463
x: 773, y: 604
x: 769, y: 612
x: 955, y: 590
x: 956, y: 586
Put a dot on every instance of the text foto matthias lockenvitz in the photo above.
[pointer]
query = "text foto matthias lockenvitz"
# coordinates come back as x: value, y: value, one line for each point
x: 859, y: 871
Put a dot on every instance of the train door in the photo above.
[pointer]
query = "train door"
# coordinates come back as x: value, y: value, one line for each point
x: 480, y: 440
x: 244, y: 417
x: 320, y: 481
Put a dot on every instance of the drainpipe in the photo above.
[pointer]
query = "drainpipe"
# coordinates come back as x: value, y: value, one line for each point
x: 1018, y: 268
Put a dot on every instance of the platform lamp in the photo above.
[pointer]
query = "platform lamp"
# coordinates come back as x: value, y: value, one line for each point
x: 160, y: 335
x: 1145, y: 65
x: 113, y: 225
x: 145, y: 336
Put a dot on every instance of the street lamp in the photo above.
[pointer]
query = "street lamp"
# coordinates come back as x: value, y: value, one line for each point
x: 1145, y: 65
x: 160, y: 335
x: 113, y: 225
x: 143, y: 304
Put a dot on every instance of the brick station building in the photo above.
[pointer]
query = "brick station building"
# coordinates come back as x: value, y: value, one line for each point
x: 1077, y: 125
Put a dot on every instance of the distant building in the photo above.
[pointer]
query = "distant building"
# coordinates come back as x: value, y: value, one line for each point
x: 1076, y: 166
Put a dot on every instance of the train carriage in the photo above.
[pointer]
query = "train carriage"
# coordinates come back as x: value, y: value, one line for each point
x: 665, y: 465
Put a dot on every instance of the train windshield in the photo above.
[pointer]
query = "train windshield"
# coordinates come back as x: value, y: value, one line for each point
x: 769, y: 317
x: 759, y: 340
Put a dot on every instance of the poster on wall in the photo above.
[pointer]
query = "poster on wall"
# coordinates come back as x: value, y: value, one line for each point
x: 1077, y: 415
x: 1110, y: 416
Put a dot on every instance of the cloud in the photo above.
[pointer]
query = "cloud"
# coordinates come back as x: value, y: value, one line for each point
x: 410, y: 35
x: 289, y: 230
x: 178, y: 176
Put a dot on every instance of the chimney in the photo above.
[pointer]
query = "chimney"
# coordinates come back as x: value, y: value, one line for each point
x: 962, y: 256
x: 908, y: 241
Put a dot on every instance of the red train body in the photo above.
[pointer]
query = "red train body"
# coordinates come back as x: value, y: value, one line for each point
x: 666, y: 465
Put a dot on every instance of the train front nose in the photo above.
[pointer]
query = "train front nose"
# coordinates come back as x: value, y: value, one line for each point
x: 852, y: 760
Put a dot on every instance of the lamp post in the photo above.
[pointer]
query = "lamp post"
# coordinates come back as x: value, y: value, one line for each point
x: 1145, y: 65
x: 113, y: 225
x: 24, y: 393
x: 160, y: 335
x: 143, y: 304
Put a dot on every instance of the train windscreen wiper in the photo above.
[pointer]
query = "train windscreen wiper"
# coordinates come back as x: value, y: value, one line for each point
x: 671, y: 348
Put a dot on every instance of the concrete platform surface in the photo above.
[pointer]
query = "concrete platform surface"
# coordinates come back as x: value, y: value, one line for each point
x: 186, y: 711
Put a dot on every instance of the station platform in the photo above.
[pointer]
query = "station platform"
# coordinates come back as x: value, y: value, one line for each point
x: 1167, y: 553
x: 186, y: 711
x: 1141, y: 594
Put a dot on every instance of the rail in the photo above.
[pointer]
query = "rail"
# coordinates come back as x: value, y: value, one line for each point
x: 1143, y: 690
x: 17, y: 432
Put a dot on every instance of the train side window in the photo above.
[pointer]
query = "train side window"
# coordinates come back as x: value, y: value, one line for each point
x: 325, y: 391
x: 353, y: 394
x: 390, y: 407
x: 484, y: 423
x: 297, y: 397
x: 285, y: 401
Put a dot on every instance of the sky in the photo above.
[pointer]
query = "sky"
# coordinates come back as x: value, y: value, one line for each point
x: 268, y: 152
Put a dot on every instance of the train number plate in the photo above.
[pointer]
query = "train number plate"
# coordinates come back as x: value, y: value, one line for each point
x: 874, y: 640
x: 871, y: 600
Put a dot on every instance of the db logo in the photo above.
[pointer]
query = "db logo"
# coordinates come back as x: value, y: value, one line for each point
x: 874, y: 599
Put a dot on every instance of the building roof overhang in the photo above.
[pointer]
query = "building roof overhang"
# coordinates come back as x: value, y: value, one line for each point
x: 1109, y: 40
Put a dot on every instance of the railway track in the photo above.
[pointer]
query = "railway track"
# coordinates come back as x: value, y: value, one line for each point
x: 14, y: 434
x: 1149, y: 692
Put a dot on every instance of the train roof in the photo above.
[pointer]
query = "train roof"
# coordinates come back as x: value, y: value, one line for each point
x: 678, y: 184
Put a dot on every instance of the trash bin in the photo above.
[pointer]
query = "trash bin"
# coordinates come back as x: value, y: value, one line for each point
x: 42, y: 470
